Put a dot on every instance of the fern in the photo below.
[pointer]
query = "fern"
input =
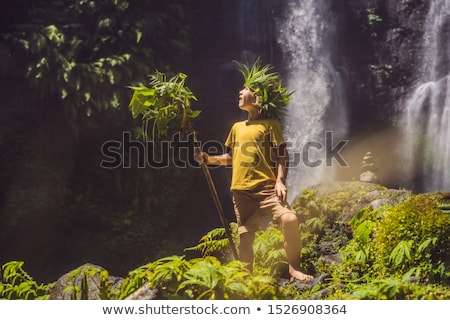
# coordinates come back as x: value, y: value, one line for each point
x: 169, y: 272
x: 315, y: 225
x: 206, y: 278
x: 17, y: 284
x: 269, y: 250
x: 426, y: 244
x: 213, y: 242
x: 203, y: 279
x: 401, y: 252
x: 136, y: 279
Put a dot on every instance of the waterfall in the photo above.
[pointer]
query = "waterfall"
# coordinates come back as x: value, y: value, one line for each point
x: 306, y: 37
x: 426, y: 119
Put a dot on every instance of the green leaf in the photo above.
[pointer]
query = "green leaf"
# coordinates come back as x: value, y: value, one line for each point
x: 363, y: 231
x: 361, y: 256
x: 398, y: 254
x: 314, y: 224
x: 164, y: 102
x: 424, y: 245
x: 194, y: 114
x: 357, y: 218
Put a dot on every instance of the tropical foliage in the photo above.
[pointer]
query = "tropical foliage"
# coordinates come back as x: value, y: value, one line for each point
x: 396, y: 251
x: 81, y: 53
x: 16, y: 283
x: 166, y: 100
x: 215, y: 243
x: 172, y: 278
x: 65, y: 66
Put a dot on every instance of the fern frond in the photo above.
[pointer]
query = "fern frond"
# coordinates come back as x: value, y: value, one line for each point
x: 212, y: 242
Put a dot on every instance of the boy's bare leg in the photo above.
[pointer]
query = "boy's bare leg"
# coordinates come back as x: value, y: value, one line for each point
x: 289, y: 224
x: 246, y: 248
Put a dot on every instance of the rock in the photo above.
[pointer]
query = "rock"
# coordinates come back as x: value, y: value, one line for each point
x: 324, y: 293
x: 378, y: 198
x: 348, y: 198
x: 331, y: 259
x: 389, y: 197
x: 63, y: 289
x: 304, y: 285
x: 368, y: 169
x: 143, y: 293
x: 368, y: 176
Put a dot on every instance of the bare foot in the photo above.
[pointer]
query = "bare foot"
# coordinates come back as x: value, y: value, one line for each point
x: 300, y: 276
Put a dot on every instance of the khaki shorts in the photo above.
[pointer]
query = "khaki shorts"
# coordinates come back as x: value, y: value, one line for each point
x: 255, y: 208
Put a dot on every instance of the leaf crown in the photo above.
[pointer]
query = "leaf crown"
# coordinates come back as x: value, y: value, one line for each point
x: 268, y: 86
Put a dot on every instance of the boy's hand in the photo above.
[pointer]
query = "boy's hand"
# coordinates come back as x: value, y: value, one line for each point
x: 201, y: 157
x: 281, y: 190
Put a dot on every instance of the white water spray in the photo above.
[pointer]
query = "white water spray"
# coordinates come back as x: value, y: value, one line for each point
x: 427, y: 113
x: 306, y: 37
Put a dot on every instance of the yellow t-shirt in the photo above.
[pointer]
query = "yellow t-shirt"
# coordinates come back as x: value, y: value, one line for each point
x: 254, y: 145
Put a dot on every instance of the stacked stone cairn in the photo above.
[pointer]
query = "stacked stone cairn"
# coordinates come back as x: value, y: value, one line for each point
x: 368, y: 169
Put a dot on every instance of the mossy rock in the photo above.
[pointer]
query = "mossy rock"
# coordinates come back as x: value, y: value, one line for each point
x: 408, y: 240
x: 84, y: 282
x: 334, y: 201
x: 326, y: 209
x: 413, y: 237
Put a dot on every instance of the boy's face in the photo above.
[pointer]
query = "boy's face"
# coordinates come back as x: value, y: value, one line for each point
x: 247, y: 99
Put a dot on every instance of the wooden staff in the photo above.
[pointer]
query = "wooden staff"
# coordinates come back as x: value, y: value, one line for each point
x: 215, y: 196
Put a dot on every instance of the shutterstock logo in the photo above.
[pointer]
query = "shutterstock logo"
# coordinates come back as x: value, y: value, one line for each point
x: 129, y: 153
x: 179, y: 152
x: 313, y: 154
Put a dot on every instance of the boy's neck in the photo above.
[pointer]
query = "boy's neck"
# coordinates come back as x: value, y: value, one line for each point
x: 253, y: 115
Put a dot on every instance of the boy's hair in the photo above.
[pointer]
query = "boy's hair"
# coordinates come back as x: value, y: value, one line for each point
x: 268, y: 86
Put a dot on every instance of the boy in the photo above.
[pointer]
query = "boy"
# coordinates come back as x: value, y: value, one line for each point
x: 259, y: 157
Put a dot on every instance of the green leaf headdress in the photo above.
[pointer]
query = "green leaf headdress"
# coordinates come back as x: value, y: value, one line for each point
x: 268, y: 86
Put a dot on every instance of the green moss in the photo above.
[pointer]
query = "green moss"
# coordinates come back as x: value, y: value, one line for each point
x: 332, y: 201
x: 413, y: 237
x: 390, y: 289
x: 403, y: 240
x: 324, y: 211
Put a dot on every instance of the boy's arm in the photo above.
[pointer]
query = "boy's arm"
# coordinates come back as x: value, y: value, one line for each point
x: 219, y: 160
x: 282, y: 162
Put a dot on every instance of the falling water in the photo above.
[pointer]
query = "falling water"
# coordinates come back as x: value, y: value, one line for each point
x: 427, y: 113
x: 306, y: 37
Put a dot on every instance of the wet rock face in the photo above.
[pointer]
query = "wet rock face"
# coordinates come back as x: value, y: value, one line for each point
x: 387, y: 52
x: 400, y: 45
